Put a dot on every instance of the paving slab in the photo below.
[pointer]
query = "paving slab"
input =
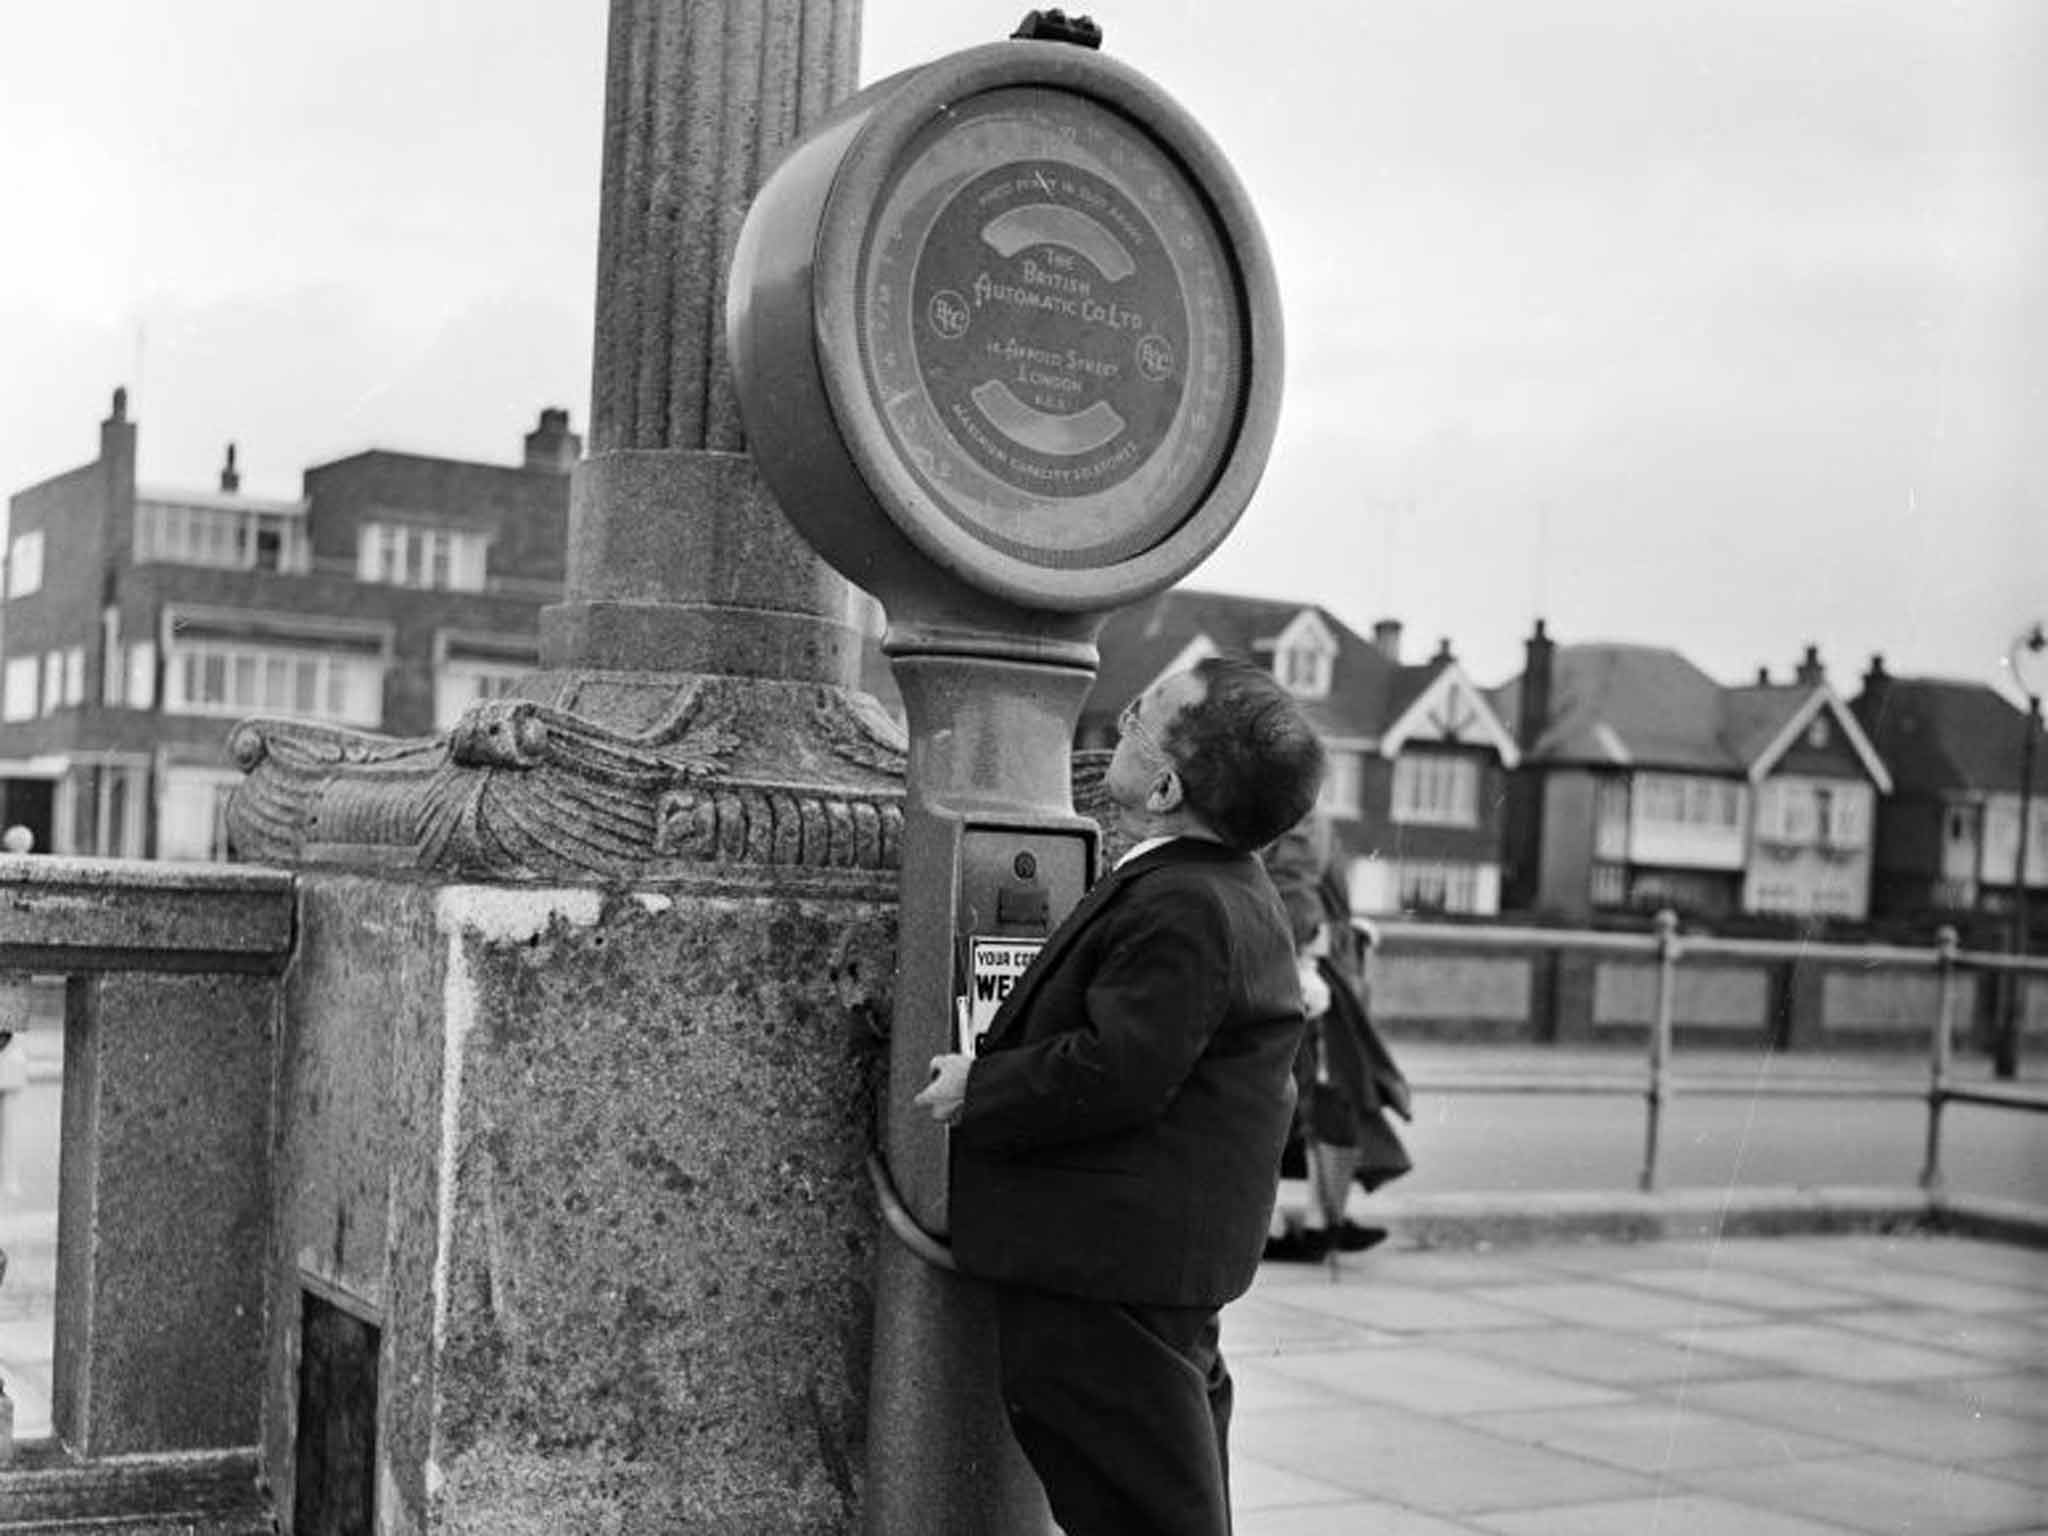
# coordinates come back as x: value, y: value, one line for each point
x: 1427, y: 1464
x: 1836, y: 1352
x: 2007, y: 1340
x: 1884, y: 1494
x: 2030, y: 1468
x: 1613, y: 1359
x: 1938, y: 1291
x: 1396, y: 1307
x: 1729, y: 1285
x: 1264, y: 1388
x: 1262, y: 1323
x: 1610, y: 1306
x: 1441, y: 1382
x: 1905, y: 1419
x: 1676, y: 1514
x: 1660, y: 1439
x: 1366, y: 1517
x: 2024, y: 1395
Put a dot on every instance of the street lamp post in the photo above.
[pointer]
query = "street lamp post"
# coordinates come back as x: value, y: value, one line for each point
x: 2026, y: 650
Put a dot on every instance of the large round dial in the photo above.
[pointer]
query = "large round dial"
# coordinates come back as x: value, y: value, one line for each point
x: 1049, y: 326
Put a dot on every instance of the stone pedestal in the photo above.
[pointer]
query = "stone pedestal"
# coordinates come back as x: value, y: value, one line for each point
x: 591, y: 1166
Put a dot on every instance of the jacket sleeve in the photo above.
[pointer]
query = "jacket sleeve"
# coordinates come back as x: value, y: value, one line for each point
x: 1131, y: 1037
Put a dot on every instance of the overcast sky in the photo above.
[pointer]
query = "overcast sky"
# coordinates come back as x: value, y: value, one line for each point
x: 1715, y: 324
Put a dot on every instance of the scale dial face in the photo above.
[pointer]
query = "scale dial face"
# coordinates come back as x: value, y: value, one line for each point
x: 1051, y: 329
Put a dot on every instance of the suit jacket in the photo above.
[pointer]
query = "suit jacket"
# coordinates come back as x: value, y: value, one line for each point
x: 1123, y: 1123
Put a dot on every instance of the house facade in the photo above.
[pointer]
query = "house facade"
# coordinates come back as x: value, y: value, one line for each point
x: 1816, y: 782
x: 1646, y: 784
x: 140, y: 622
x: 1949, y: 836
x: 1417, y: 756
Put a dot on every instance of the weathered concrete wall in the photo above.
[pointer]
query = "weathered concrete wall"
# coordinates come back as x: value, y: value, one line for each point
x: 1704, y: 996
x: 1893, y: 1001
x: 617, y: 1142
x: 1426, y: 989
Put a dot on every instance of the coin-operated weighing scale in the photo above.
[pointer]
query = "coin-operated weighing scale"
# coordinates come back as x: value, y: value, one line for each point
x: 1006, y: 341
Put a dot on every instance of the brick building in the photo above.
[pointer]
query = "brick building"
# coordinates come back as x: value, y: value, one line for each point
x: 140, y: 622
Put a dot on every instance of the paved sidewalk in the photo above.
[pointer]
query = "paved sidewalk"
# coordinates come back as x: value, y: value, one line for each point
x: 1787, y: 1386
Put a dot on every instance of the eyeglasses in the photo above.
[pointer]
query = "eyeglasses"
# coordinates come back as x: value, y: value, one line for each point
x: 1128, y: 724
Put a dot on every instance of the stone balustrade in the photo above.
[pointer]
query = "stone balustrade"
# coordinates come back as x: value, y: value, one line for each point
x: 173, y: 985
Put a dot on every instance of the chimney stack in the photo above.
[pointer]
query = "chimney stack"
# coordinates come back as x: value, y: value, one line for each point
x: 117, y: 445
x: 230, y: 477
x: 551, y: 445
x: 1539, y: 654
x: 1386, y: 639
x: 1443, y: 654
x: 1876, y: 695
x: 1811, y: 673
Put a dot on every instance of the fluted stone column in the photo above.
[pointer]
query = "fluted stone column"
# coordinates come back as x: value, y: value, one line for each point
x: 678, y: 559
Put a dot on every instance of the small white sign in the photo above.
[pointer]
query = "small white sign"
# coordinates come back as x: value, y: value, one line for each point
x: 993, y: 966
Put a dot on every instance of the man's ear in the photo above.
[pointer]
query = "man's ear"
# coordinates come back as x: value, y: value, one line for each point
x: 1166, y: 794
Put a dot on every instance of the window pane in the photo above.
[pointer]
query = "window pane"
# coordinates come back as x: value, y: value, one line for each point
x: 242, y: 692
x: 142, y: 675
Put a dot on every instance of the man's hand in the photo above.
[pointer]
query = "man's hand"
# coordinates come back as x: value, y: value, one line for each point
x: 1315, y: 992
x: 946, y: 1094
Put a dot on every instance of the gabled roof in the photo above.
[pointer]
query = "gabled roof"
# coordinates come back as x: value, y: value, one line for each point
x: 1946, y: 736
x: 1450, y: 708
x: 1369, y: 693
x: 1627, y: 705
x: 1761, y: 722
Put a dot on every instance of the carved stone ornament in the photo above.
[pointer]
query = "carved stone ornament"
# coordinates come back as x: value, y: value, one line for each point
x: 723, y: 777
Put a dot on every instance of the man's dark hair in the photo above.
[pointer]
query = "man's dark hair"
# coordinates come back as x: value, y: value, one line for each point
x: 1250, y: 764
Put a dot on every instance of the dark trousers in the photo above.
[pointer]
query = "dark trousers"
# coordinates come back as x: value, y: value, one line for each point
x: 1123, y: 1411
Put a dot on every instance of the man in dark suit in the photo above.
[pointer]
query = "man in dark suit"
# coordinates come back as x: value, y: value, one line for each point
x: 1116, y: 1142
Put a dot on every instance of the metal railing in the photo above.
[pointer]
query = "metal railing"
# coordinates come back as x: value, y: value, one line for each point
x: 1660, y: 1085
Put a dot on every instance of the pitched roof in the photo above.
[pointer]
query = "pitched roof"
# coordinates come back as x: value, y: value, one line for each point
x: 1644, y: 706
x: 1761, y: 722
x: 1633, y: 705
x: 1753, y: 718
x: 1940, y: 734
x: 1368, y: 692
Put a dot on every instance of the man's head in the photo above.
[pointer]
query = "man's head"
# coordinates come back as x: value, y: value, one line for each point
x: 1220, y: 749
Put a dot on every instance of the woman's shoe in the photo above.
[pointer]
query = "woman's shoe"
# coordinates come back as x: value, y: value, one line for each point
x: 1352, y: 1238
x: 1303, y: 1245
